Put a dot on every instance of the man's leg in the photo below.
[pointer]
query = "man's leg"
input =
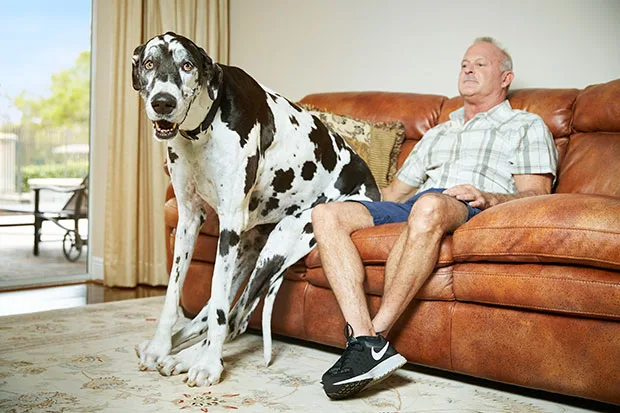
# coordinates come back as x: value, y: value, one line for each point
x: 333, y: 224
x: 415, y: 253
x: 368, y: 358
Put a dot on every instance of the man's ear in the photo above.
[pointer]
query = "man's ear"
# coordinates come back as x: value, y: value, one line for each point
x: 213, y: 74
x: 507, y: 78
x: 135, y: 67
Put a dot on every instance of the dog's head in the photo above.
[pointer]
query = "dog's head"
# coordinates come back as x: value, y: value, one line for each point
x: 171, y: 73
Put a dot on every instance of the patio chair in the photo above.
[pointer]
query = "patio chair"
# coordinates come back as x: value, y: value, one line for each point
x: 75, y: 208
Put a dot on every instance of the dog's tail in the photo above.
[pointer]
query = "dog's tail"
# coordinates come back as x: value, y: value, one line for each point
x: 266, y: 322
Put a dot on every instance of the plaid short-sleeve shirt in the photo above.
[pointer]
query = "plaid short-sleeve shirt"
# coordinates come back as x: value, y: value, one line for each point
x: 485, y: 152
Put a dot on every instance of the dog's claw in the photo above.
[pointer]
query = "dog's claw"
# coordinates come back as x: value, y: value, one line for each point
x: 204, y: 373
x: 151, y: 353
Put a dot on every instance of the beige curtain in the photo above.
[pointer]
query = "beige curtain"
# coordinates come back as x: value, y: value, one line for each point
x: 134, y: 241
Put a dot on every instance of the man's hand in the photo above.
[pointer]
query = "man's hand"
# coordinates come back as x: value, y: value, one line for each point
x: 472, y: 195
x: 527, y: 185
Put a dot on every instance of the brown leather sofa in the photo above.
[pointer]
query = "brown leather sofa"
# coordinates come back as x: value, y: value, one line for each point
x: 527, y: 292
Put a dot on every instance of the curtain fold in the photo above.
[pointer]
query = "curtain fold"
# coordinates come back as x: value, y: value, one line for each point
x: 134, y: 239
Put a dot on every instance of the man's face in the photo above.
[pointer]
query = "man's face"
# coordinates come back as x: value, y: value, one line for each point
x: 480, y: 75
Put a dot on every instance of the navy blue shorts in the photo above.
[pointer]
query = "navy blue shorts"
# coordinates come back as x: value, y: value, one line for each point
x: 385, y: 212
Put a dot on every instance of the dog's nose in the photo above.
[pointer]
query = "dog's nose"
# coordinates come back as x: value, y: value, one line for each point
x: 163, y: 103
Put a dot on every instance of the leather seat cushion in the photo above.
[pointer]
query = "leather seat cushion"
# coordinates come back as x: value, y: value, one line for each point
x: 561, y: 228
x: 564, y: 289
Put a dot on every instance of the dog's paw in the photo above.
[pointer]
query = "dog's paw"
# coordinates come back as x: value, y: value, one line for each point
x: 172, y: 366
x: 151, y: 353
x: 204, y: 373
x: 178, y: 363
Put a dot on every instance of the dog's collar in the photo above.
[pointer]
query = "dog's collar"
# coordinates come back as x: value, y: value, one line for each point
x: 192, y: 135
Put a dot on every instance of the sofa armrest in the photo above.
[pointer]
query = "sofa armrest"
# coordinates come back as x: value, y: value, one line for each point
x: 561, y: 228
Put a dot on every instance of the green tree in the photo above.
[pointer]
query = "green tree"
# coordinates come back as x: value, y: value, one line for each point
x: 69, y: 102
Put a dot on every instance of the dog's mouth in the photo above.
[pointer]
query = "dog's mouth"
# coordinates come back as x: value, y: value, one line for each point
x: 164, y: 129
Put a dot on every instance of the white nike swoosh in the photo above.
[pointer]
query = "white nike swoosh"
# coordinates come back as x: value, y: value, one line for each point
x: 378, y: 354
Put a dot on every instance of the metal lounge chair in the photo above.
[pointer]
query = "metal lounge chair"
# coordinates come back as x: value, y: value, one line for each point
x: 74, y: 209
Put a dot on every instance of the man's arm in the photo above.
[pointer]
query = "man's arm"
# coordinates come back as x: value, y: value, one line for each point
x: 397, y: 191
x: 527, y: 185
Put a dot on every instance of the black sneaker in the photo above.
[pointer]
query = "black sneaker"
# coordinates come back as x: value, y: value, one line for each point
x: 366, y: 361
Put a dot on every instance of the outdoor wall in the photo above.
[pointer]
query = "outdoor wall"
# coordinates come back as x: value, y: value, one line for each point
x: 300, y: 47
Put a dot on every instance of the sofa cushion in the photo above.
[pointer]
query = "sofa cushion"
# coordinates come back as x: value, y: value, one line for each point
x: 597, y: 108
x: 554, y: 106
x: 375, y: 243
x: 581, y: 172
x: 377, y: 143
x: 560, y: 228
x: 566, y: 289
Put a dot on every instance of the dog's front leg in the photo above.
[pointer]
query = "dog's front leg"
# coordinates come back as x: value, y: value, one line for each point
x: 191, y: 217
x: 209, y: 365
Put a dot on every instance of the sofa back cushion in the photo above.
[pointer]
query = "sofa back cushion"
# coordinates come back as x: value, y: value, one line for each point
x: 592, y: 161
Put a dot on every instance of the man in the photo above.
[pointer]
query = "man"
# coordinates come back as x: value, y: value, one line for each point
x: 486, y: 154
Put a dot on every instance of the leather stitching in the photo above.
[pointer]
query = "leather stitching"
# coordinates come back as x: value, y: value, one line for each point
x: 527, y: 228
x: 536, y: 254
x: 512, y: 275
x: 552, y: 309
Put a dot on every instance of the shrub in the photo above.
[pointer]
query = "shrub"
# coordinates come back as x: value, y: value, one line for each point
x: 71, y: 169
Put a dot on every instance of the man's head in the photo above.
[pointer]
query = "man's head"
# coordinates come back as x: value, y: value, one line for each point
x: 486, y: 72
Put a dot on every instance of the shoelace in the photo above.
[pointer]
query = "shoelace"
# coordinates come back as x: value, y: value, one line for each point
x: 352, y: 345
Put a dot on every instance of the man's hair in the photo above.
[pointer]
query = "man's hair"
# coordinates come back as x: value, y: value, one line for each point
x: 506, y: 63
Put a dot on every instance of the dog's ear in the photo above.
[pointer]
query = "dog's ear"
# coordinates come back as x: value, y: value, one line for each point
x: 215, y: 80
x: 135, y: 67
x: 212, y: 72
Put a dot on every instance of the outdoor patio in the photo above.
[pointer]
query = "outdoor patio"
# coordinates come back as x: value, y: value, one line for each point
x: 18, y: 264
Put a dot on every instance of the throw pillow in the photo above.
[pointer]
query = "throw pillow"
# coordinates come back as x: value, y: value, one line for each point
x: 377, y: 143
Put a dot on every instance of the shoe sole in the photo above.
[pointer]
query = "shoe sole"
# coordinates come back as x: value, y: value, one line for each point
x: 356, y: 385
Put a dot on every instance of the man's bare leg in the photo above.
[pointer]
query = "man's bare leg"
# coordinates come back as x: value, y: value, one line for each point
x: 333, y: 224
x: 415, y: 254
x: 368, y: 358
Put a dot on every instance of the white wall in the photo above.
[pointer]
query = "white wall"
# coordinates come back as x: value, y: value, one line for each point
x: 298, y: 47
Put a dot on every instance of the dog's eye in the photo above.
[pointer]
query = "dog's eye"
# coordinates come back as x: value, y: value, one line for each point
x: 148, y: 65
x: 187, y: 66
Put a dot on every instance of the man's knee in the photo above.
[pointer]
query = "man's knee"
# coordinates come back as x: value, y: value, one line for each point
x: 429, y: 214
x: 323, y: 215
x: 339, y: 216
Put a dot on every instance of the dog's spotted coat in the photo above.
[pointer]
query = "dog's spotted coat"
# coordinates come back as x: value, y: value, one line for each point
x: 262, y: 163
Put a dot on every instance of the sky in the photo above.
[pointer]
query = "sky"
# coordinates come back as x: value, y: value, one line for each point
x: 40, y: 37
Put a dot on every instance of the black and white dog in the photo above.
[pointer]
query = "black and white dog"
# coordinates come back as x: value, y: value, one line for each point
x: 262, y: 163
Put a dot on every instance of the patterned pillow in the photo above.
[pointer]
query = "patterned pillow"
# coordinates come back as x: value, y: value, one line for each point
x: 377, y: 143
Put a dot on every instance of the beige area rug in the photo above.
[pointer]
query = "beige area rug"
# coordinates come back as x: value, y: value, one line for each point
x: 83, y: 360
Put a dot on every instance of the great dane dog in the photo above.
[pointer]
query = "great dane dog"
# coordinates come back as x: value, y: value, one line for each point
x: 262, y: 163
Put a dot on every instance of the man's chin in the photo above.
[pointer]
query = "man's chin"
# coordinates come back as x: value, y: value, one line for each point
x: 467, y: 91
